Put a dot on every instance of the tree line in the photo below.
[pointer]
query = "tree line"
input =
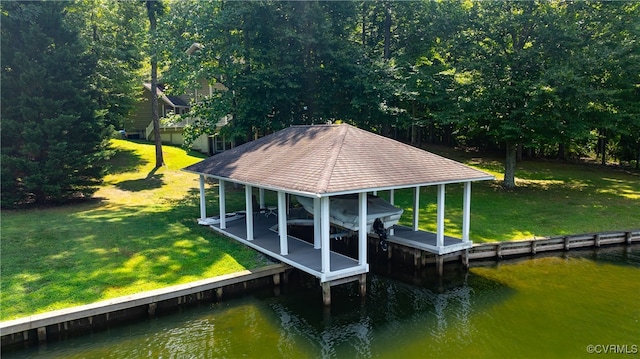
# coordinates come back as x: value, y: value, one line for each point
x: 528, y: 78
x: 538, y: 78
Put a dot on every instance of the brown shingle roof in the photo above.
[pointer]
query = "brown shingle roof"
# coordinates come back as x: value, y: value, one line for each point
x: 331, y: 159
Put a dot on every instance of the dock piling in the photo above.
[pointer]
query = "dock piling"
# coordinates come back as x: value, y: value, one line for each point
x: 464, y: 256
x: 152, y: 309
x: 363, y: 284
x: 326, y: 293
x: 42, y: 334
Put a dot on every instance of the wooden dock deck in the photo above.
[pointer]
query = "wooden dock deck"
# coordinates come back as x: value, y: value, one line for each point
x: 427, y: 241
x: 301, y: 254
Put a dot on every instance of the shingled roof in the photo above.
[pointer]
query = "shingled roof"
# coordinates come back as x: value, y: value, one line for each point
x: 332, y: 159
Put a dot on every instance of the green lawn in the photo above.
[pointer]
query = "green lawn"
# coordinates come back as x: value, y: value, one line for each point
x: 553, y: 198
x: 141, y: 234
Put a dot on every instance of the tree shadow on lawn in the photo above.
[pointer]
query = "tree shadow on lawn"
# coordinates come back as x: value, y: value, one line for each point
x: 125, y: 161
x: 106, y: 252
x: 151, y: 181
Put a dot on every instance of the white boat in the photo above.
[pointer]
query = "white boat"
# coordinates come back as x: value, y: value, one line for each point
x: 343, y: 211
x: 233, y: 216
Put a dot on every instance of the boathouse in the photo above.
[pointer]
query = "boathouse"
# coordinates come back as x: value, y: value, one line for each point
x: 320, y: 163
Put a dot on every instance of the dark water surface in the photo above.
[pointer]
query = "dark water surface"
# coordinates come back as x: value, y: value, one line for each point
x: 563, y: 306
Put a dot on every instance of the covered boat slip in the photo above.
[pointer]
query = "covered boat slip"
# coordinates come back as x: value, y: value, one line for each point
x: 316, y: 259
x: 325, y: 164
x: 266, y: 230
x: 308, y: 257
x: 301, y: 254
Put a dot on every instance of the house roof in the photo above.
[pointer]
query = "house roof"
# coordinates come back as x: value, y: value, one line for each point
x: 173, y: 101
x: 332, y: 159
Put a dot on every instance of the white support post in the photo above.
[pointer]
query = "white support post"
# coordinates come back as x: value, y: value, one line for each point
x: 317, y: 227
x: 440, y: 215
x: 466, y: 211
x: 261, y: 198
x: 325, y: 248
x: 392, y: 201
x: 288, y: 201
x: 248, y: 193
x: 416, y: 208
x: 223, y: 205
x: 282, y: 223
x: 362, y: 226
x: 203, y: 201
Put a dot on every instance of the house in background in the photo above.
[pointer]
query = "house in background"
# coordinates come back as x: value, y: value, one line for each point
x: 140, y: 123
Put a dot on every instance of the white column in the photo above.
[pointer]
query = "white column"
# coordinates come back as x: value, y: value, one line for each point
x: 392, y: 201
x: 282, y: 223
x: 325, y: 249
x: 288, y: 201
x: 203, y: 201
x: 440, y: 215
x: 466, y: 211
x: 248, y: 193
x: 317, y: 230
x: 416, y: 208
x: 261, y: 198
x: 362, y: 225
x: 223, y: 205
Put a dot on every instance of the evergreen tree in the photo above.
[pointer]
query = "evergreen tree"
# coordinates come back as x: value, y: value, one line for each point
x: 114, y: 33
x: 52, y: 138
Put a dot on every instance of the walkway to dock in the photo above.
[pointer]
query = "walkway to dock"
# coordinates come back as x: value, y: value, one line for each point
x: 301, y: 255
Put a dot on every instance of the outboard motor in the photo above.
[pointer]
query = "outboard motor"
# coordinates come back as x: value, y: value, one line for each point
x: 378, y: 228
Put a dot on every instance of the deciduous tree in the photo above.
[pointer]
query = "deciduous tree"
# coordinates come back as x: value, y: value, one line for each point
x: 154, y: 9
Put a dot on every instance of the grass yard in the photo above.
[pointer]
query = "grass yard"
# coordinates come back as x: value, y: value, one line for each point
x: 140, y: 233
x: 553, y: 198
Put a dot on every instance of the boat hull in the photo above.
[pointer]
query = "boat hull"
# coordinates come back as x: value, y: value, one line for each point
x: 234, y: 216
x: 344, y: 211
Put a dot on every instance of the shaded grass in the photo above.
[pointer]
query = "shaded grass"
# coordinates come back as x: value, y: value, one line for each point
x: 140, y: 233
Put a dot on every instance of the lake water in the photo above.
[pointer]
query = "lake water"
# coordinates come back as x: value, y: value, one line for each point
x: 549, y: 307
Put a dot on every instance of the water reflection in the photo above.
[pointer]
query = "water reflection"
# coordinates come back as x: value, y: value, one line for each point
x: 504, y: 309
x: 394, y: 314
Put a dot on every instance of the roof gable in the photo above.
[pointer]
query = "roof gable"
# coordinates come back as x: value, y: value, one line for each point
x: 173, y: 101
x: 328, y: 159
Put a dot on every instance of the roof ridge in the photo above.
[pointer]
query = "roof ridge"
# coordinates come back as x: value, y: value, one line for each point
x: 316, y: 125
x: 323, y: 185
